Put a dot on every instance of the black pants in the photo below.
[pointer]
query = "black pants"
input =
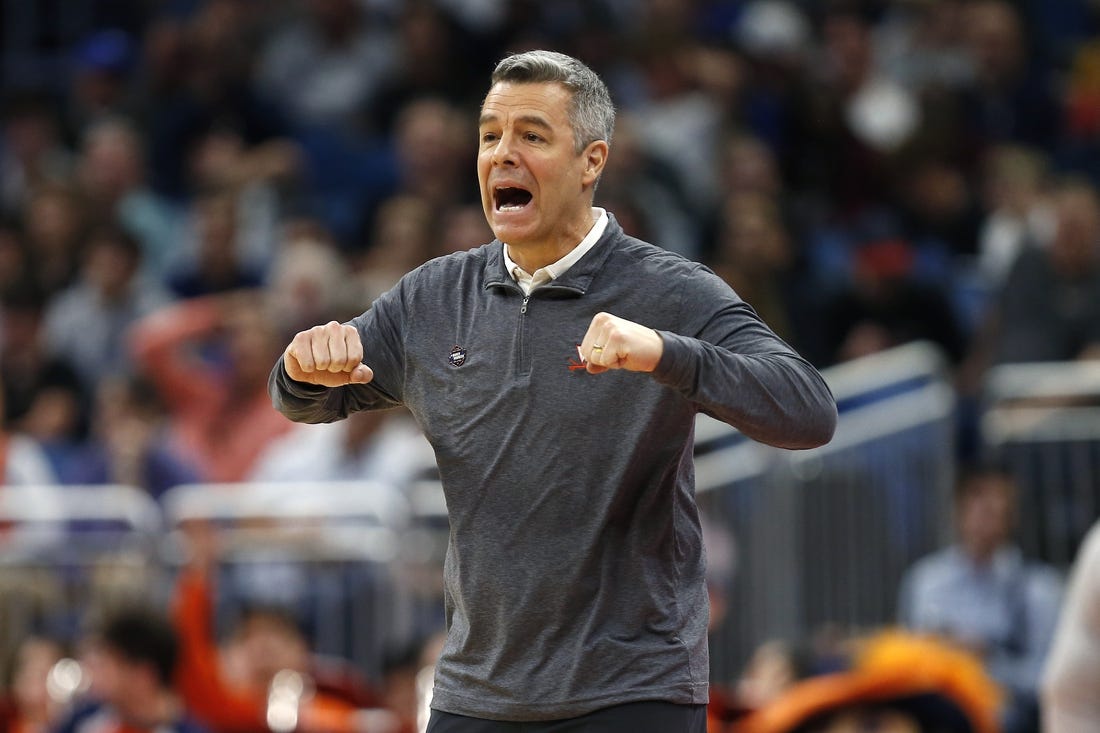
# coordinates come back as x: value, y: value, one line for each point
x: 635, y: 717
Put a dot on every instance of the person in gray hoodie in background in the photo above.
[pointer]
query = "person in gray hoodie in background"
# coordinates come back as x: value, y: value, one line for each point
x: 557, y: 372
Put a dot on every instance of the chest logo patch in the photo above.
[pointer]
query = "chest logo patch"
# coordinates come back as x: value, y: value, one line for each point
x: 457, y: 357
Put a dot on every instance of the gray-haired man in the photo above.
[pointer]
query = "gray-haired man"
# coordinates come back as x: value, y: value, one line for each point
x: 557, y: 372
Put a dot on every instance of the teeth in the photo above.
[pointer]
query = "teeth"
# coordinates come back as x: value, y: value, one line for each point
x: 511, y: 207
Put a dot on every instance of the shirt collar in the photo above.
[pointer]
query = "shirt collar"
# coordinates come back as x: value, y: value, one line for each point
x: 557, y: 269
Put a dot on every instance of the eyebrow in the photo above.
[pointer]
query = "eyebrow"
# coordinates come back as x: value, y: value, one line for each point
x: 529, y: 119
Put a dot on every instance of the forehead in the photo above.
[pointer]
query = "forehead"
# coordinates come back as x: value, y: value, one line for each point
x: 507, y: 101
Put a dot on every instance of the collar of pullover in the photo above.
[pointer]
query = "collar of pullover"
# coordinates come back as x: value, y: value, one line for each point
x: 576, y: 279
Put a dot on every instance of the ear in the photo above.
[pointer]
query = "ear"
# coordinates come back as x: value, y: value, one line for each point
x: 595, y: 158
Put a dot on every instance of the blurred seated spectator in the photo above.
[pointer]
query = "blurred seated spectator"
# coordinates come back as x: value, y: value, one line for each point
x: 234, y: 685
x: 262, y: 180
x: 755, y: 256
x: 111, y: 176
x: 101, y: 67
x: 885, y: 305
x: 131, y: 661
x: 1069, y: 700
x: 22, y: 459
x: 635, y: 178
x: 982, y: 594
x: 54, y: 221
x: 1019, y: 214
x: 326, y: 62
x: 23, y: 462
x: 308, y: 282
x: 209, y: 359
x: 401, y: 239
x: 774, y: 667
x: 1012, y: 97
x: 129, y: 444
x: 897, y: 683
x: 462, y: 227
x: 27, y: 705
x: 1048, y: 308
x: 31, y: 150
x: 44, y: 396
x: 386, y: 447
x: 86, y: 324
x: 16, y: 260
x: 408, y: 673
x: 217, y: 265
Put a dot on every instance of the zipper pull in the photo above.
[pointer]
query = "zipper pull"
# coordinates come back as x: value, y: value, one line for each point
x: 523, y: 308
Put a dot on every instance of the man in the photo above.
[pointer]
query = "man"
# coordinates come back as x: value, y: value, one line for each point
x: 983, y: 594
x: 557, y: 372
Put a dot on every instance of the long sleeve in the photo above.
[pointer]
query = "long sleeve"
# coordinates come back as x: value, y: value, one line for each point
x: 380, y: 329
x: 738, y: 371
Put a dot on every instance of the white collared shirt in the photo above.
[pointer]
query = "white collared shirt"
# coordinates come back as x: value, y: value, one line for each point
x: 543, y: 275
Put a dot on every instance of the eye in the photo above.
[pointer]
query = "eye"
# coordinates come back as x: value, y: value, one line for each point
x: 488, y: 137
x: 532, y: 137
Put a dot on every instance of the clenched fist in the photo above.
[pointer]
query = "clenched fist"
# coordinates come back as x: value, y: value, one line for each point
x: 616, y: 343
x: 330, y: 355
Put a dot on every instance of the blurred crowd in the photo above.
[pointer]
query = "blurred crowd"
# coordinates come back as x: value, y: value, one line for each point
x: 184, y: 184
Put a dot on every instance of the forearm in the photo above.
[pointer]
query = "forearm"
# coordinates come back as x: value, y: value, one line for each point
x: 776, y: 398
x: 309, y: 403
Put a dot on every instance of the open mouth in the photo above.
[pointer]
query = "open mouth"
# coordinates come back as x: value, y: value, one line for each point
x: 510, y: 198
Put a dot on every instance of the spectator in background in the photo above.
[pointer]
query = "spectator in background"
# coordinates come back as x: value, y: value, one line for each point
x: 462, y: 227
x: 206, y: 357
x: 44, y: 396
x: 27, y: 705
x: 430, y: 141
x: 129, y: 443
x: 982, y: 594
x: 755, y: 256
x: 16, y: 262
x: 31, y: 150
x: 54, y: 223
x: 402, y: 236
x: 1048, y: 308
x: 217, y: 265
x: 637, y: 178
x: 111, y: 176
x: 1069, y: 700
x: 131, y: 660
x: 435, y: 58
x: 86, y: 324
x: 231, y: 683
x: 198, y: 68
x: 307, y: 282
x: 896, y: 683
x: 326, y: 64
x: 1011, y: 99
x: 100, y: 81
x: 885, y: 305
x: 1019, y: 215
x: 386, y: 447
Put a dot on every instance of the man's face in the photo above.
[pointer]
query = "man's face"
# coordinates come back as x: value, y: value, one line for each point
x: 535, y: 187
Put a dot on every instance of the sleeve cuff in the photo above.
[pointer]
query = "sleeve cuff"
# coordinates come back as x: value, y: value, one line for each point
x: 677, y: 366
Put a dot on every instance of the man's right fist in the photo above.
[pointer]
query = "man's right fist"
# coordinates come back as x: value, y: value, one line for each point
x: 330, y: 355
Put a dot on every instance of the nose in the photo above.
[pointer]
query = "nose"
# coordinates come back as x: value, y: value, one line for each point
x: 504, y: 152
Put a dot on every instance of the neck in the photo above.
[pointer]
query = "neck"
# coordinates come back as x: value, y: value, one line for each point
x: 532, y: 256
